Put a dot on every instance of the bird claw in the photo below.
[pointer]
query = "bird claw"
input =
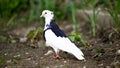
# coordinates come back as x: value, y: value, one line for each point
x: 57, y: 56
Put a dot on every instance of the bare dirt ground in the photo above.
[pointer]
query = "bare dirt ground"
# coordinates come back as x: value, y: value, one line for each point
x: 101, y: 53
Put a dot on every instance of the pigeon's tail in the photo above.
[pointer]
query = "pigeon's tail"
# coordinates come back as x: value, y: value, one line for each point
x: 79, y: 56
x: 77, y: 53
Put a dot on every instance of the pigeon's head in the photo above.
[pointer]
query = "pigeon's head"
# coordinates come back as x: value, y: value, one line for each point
x: 47, y: 14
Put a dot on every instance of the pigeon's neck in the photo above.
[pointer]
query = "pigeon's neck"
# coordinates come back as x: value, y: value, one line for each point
x: 47, y: 22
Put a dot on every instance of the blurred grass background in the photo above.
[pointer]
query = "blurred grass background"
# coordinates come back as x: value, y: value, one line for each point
x: 16, y: 13
x: 62, y: 8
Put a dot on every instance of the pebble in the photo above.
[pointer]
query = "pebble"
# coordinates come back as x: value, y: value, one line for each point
x: 24, y: 39
x: 61, y: 66
x: 118, y: 52
x: 108, y: 67
x: 26, y: 53
x: 6, y: 54
x: 84, y: 66
x: 65, y: 61
x: 100, y: 65
x: 49, y: 52
x: 36, y: 63
x: 41, y: 57
x: 28, y: 59
x: 58, y: 66
x: 16, y: 56
x: 9, y: 61
x: 47, y: 67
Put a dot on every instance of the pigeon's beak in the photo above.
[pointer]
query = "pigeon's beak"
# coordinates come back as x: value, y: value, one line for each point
x: 41, y: 15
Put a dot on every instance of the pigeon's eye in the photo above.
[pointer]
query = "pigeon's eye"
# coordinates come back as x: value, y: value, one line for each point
x: 45, y: 12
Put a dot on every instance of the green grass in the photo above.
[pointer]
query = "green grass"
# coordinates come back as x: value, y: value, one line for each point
x: 34, y: 34
x: 73, y: 11
x: 93, y: 17
x: 76, y: 36
x: 114, y: 12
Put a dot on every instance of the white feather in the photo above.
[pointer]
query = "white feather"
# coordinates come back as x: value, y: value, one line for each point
x: 63, y: 43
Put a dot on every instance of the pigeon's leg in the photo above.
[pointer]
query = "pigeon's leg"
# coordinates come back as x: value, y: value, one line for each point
x: 57, y: 55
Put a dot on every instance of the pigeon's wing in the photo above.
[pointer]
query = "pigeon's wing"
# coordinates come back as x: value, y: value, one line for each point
x: 63, y: 43
x: 56, y: 29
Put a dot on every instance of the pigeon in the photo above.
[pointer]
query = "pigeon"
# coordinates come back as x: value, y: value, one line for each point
x: 57, y: 39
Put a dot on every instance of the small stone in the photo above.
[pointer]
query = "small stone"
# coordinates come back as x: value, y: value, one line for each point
x: 84, y: 66
x: 24, y: 39
x: 36, y: 63
x: 100, y: 65
x: 61, y: 66
x: 28, y: 59
x: 6, y: 67
x: 117, y: 44
x: 118, y: 52
x: 16, y: 56
x: 9, y: 61
x: 108, y: 67
x: 65, y: 61
x: 49, y: 52
x: 47, y: 67
x: 41, y: 57
x: 6, y: 54
x: 26, y: 53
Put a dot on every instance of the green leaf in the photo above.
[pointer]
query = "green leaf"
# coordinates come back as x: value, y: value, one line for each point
x: 72, y: 37
x: 78, y: 37
x: 34, y: 33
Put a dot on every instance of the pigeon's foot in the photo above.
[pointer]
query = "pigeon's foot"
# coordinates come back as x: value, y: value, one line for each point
x: 57, y: 56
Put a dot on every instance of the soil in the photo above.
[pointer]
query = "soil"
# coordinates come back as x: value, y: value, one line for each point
x: 101, y: 51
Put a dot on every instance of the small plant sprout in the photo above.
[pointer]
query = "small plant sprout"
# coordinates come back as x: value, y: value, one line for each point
x: 93, y: 17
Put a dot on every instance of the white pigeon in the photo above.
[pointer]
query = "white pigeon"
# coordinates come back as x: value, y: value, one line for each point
x: 56, y: 38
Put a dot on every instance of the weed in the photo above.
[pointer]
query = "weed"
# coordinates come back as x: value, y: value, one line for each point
x: 34, y: 36
x: 114, y: 12
x: 93, y: 17
x: 73, y: 11
x: 10, y: 22
x: 76, y: 36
